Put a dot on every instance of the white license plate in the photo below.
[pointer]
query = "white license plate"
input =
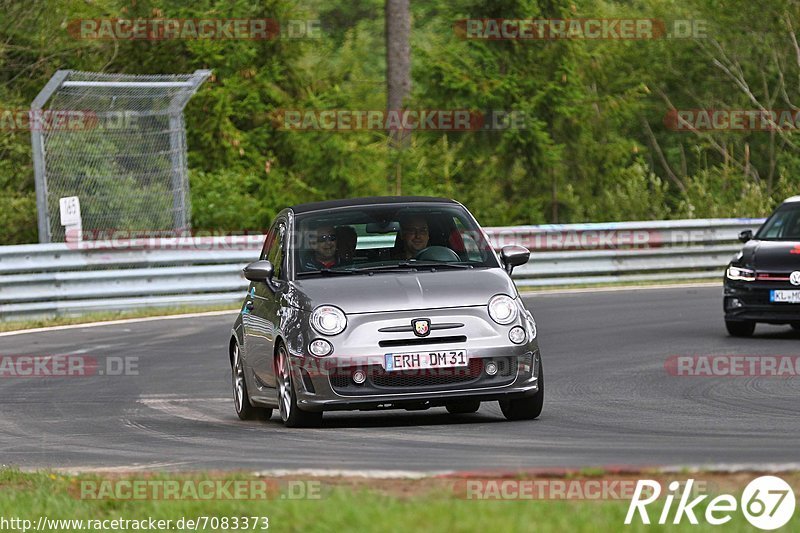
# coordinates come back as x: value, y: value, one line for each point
x: 789, y: 297
x: 414, y: 360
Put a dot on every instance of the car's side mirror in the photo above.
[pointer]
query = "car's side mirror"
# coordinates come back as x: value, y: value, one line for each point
x: 259, y: 271
x: 513, y: 256
x: 746, y: 235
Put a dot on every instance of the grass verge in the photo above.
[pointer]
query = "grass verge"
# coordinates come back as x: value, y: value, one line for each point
x: 622, y: 285
x: 431, y: 504
x: 110, y: 315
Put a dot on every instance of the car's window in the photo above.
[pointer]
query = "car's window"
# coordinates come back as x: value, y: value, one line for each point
x: 275, y: 252
x: 468, y: 239
x: 783, y: 225
x: 371, y: 237
x: 268, y: 241
x: 274, y: 246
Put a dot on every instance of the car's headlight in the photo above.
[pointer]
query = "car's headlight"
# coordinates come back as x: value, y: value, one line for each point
x: 328, y: 320
x: 740, y: 274
x: 503, y: 309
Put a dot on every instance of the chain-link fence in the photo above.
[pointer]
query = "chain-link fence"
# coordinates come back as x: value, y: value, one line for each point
x: 118, y: 143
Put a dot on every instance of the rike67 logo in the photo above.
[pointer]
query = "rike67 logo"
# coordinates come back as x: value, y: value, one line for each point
x: 767, y: 502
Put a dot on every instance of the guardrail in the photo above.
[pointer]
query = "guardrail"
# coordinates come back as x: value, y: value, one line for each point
x: 578, y: 254
x: 56, y: 279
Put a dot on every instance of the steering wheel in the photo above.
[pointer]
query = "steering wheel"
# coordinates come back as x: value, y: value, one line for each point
x: 437, y: 253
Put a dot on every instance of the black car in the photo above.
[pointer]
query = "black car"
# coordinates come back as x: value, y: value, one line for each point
x: 762, y: 283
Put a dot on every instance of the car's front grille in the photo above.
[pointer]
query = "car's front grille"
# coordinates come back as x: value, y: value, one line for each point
x: 781, y: 277
x: 380, y: 380
x: 429, y: 376
x: 340, y: 380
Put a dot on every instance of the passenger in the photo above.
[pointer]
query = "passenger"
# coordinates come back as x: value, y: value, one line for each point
x: 324, y: 249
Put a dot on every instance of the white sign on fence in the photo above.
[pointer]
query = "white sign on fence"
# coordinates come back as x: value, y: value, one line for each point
x: 70, y: 208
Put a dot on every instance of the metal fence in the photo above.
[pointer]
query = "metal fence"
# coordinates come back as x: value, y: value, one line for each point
x: 50, y: 279
x: 576, y: 254
x: 118, y: 143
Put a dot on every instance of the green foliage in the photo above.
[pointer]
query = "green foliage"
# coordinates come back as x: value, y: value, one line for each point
x: 711, y: 192
x: 18, y: 218
x: 594, y: 146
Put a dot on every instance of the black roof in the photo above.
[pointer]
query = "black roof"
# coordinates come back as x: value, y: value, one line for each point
x: 369, y: 200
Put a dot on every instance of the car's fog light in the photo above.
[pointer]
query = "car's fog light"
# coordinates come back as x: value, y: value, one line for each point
x: 320, y: 347
x: 359, y: 376
x: 491, y: 368
x: 734, y: 303
x: 517, y: 335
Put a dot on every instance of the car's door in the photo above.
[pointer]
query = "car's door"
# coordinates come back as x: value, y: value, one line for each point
x: 253, y: 326
x: 266, y: 300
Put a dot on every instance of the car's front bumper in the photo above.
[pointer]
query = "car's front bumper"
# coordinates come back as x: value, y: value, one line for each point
x: 750, y: 301
x: 332, y: 388
x: 326, y: 383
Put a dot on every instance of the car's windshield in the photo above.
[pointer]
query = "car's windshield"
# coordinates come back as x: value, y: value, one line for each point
x: 387, y: 238
x: 783, y: 225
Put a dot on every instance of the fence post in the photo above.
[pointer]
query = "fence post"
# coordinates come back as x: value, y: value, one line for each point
x: 37, y: 147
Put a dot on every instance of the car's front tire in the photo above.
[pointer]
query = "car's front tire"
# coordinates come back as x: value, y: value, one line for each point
x: 241, y: 401
x: 525, y: 408
x: 291, y: 414
x: 740, y: 328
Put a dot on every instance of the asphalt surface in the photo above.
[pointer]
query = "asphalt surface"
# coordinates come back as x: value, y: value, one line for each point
x: 609, y: 400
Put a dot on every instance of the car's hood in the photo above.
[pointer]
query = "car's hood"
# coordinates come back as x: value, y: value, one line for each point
x: 769, y: 256
x: 404, y: 290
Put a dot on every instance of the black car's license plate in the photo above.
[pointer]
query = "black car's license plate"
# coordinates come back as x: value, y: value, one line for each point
x: 788, y: 297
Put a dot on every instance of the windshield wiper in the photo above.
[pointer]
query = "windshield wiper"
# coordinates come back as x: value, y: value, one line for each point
x: 409, y: 265
x: 403, y: 266
x: 443, y: 265
x: 378, y: 268
x: 326, y: 272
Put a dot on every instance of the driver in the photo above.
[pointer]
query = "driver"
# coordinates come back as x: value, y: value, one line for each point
x: 414, y: 235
